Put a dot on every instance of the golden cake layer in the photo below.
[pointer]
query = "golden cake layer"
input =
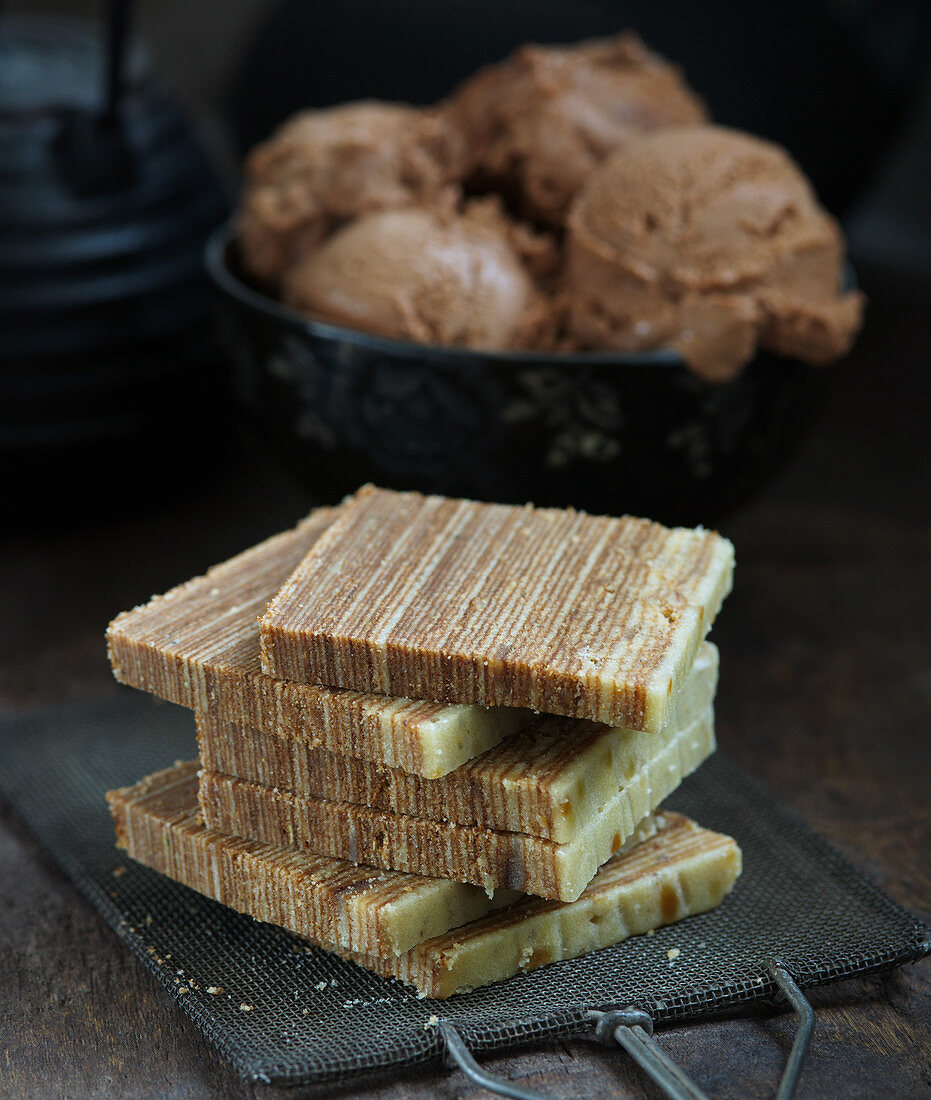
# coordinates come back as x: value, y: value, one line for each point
x: 361, y: 909
x: 681, y: 871
x: 485, y: 857
x: 198, y: 646
x: 548, y: 780
x: 436, y: 598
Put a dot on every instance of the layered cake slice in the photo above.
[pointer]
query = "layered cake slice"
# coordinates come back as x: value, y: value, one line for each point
x: 683, y: 870
x: 198, y: 646
x: 467, y: 853
x: 365, y: 914
x: 435, y: 598
x: 362, y: 909
x: 548, y: 780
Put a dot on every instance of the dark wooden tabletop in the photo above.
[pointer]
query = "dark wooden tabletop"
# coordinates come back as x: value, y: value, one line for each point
x: 825, y: 697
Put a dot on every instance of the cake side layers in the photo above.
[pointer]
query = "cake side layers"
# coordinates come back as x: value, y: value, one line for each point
x: 548, y: 780
x: 682, y: 871
x: 198, y: 645
x: 357, y: 908
x: 587, y: 616
x: 485, y: 857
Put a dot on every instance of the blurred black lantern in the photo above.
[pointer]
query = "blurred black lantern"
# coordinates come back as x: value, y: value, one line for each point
x: 106, y: 199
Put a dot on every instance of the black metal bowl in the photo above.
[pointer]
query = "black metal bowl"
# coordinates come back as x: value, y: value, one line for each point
x: 607, y: 433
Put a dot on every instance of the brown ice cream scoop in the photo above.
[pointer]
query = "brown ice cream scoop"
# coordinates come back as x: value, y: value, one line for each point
x: 540, y: 121
x: 323, y: 167
x: 433, y: 276
x: 712, y: 242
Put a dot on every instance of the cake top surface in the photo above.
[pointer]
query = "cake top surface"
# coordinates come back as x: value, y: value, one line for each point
x: 404, y: 593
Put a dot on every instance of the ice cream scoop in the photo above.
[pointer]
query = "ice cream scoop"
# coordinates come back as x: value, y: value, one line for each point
x: 323, y: 167
x: 434, y: 276
x: 540, y: 121
x: 712, y: 242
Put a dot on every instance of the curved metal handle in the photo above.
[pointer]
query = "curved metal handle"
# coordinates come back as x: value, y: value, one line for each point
x: 806, y: 1026
x: 632, y: 1028
x: 628, y: 1028
x: 458, y: 1052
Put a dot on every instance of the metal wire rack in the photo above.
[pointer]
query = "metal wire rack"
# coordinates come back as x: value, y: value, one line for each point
x: 800, y: 916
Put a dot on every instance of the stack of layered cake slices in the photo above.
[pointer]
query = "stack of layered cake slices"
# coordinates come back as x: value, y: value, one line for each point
x: 434, y: 734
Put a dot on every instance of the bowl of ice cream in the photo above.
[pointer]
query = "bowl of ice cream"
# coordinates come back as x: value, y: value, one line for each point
x: 628, y: 316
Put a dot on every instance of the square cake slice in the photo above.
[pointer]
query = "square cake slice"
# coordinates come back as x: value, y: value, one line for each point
x: 548, y: 780
x: 467, y: 853
x: 374, y: 912
x: 198, y: 645
x: 681, y: 871
x: 452, y: 600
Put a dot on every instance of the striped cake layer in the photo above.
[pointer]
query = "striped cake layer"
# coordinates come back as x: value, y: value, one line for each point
x: 681, y: 871
x: 436, y: 598
x: 373, y: 912
x: 548, y: 780
x: 198, y: 646
x: 485, y: 857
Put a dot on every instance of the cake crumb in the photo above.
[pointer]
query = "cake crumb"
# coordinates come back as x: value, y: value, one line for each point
x: 214, y: 990
x: 245, y: 1008
x: 673, y: 953
x: 119, y: 871
x: 321, y: 986
x: 432, y: 1021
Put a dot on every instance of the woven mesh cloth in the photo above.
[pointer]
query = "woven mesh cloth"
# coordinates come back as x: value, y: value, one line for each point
x: 313, y: 1017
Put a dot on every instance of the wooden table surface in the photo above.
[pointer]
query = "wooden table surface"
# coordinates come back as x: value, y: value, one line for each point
x: 825, y: 697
